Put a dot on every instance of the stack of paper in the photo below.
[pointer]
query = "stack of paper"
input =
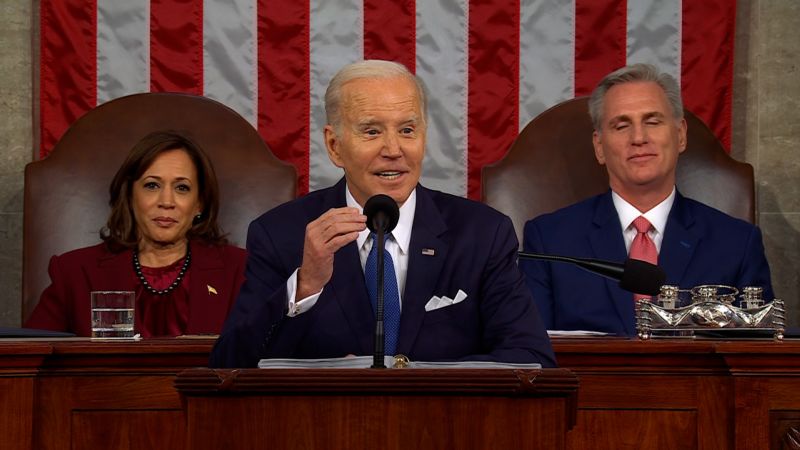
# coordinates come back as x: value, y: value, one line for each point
x: 364, y: 362
x: 575, y: 333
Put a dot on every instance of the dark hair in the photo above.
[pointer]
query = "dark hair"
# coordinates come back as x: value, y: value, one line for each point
x: 120, y: 232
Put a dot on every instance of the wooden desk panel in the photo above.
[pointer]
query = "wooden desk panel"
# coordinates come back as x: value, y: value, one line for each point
x: 16, y: 419
x: 643, y: 429
x: 145, y: 429
x: 64, y: 402
x: 19, y: 362
x: 346, y: 422
x: 76, y: 394
x: 422, y: 409
x: 642, y: 394
x: 719, y: 395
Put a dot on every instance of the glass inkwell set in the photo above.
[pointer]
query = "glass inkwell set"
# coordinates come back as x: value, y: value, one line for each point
x: 710, y: 310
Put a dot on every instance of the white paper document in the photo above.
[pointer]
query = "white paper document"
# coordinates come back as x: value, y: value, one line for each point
x: 575, y: 333
x: 364, y: 362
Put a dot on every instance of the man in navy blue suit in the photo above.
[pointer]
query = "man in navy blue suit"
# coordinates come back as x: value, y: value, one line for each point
x: 461, y: 293
x: 639, y: 131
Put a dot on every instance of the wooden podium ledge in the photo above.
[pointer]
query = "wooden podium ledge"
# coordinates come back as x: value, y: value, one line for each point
x: 498, y: 382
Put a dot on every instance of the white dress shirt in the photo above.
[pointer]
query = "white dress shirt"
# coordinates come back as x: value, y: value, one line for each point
x: 657, y: 217
x: 397, y: 246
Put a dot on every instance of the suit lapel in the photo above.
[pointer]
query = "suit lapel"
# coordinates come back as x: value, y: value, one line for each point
x: 608, y: 244
x: 680, y: 241
x: 423, y: 267
x: 350, y: 292
x: 347, y: 281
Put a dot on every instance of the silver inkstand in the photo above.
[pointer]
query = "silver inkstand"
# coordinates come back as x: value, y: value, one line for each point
x: 710, y: 310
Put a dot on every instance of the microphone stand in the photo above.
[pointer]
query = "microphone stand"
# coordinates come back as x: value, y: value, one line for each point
x: 378, y: 355
x: 382, y: 215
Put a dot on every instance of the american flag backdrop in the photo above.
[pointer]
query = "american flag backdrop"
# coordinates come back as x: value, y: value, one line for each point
x: 490, y: 66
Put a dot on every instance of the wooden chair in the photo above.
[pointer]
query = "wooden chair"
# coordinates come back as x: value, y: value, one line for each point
x: 551, y: 164
x: 66, y: 194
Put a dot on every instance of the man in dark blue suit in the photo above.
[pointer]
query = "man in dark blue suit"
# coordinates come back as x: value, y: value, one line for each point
x: 461, y: 294
x: 639, y: 132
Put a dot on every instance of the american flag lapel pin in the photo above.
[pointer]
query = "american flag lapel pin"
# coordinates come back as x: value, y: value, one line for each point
x: 428, y: 252
x: 211, y: 289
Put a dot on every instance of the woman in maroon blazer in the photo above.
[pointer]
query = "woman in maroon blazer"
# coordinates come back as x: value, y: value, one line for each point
x: 161, y: 241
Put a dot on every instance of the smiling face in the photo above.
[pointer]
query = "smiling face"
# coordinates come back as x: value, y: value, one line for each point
x: 165, y: 200
x: 380, y: 140
x: 639, y: 140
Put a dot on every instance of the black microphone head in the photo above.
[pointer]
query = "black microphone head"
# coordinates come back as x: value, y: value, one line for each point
x: 382, y: 212
x: 642, y: 277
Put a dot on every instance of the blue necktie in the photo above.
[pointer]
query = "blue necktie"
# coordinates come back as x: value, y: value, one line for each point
x: 391, y: 295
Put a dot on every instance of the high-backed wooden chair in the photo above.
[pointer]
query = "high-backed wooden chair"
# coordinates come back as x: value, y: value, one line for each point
x: 551, y: 164
x: 66, y: 194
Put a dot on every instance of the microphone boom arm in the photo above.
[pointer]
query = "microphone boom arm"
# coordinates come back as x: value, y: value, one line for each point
x: 607, y: 269
x: 633, y: 276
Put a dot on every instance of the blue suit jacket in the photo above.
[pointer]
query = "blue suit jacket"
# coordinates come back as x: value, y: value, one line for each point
x: 701, y: 246
x: 474, y: 249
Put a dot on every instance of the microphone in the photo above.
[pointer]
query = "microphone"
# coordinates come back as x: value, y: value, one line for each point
x: 382, y: 213
x: 633, y: 275
x: 382, y: 216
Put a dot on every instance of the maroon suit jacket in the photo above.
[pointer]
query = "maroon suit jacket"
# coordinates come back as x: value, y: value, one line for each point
x: 65, y: 305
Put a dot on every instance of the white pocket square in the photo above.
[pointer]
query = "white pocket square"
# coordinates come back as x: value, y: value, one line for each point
x: 440, y: 302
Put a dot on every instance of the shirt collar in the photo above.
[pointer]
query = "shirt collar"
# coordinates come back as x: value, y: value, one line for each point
x: 402, y: 232
x: 657, y: 216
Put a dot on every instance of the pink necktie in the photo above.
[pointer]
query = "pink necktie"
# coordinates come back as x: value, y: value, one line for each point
x: 642, y: 247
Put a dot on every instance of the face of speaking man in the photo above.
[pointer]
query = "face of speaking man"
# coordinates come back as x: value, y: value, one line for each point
x: 639, y: 140
x: 380, y: 140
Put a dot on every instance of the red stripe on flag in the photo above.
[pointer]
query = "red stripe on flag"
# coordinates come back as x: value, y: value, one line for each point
x: 707, y: 63
x: 176, y: 46
x: 493, y: 94
x: 283, y: 82
x: 600, y: 41
x: 68, y: 67
x: 390, y: 31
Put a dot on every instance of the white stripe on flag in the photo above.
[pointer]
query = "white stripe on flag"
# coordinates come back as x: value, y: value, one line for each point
x: 546, y: 56
x: 654, y: 34
x: 123, y: 48
x: 230, y: 72
x: 336, y: 39
x: 442, y: 66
